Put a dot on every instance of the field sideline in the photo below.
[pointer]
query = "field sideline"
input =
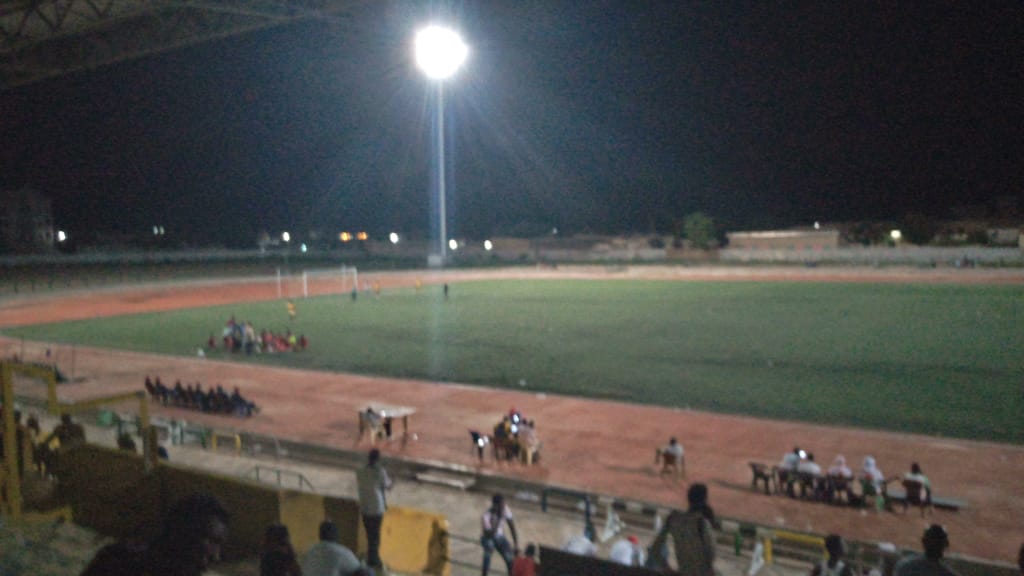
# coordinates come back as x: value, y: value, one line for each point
x: 935, y: 359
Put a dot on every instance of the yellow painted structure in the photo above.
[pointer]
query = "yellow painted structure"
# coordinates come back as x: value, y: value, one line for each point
x: 345, y: 513
x: 236, y: 439
x: 794, y: 537
x: 415, y: 542
x: 10, y: 480
x: 122, y: 494
x: 302, y: 513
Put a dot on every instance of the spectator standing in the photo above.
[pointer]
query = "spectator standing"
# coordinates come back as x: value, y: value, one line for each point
x: 193, y: 532
x: 329, y: 558
x: 834, y: 565
x: 493, y: 534
x: 278, y: 557
x: 373, y: 482
x: 935, y: 542
x: 691, y: 534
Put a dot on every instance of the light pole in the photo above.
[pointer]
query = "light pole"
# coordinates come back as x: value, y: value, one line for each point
x: 439, y: 54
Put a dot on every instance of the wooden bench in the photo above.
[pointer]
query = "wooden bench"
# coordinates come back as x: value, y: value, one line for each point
x: 899, y: 496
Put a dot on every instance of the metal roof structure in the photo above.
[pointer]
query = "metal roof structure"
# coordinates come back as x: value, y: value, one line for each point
x: 42, y: 39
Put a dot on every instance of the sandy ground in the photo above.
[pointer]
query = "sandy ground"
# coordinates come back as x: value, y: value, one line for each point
x: 600, y: 446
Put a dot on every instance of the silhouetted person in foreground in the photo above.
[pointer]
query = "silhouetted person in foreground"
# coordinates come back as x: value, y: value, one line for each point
x: 193, y: 532
x: 835, y: 564
x: 935, y: 542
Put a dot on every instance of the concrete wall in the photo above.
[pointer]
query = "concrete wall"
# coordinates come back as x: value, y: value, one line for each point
x: 870, y: 256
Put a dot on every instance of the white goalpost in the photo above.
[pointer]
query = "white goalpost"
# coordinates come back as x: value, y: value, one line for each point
x: 289, y: 286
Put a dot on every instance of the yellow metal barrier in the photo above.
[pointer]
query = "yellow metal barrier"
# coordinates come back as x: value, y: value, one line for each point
x: 795, y: 537
x: 229, y: 435
x: 415, y: 541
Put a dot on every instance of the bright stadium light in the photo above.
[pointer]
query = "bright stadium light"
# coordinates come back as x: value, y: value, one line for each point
x: 440, y: 52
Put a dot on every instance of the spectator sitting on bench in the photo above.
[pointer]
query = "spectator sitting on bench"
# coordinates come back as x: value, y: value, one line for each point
x: 242, y: 406
x: 786, y: 470
x: 839, y: 476
x: 873, y: 483
x: 671, y: 457
x: 915, y: 475
x: 529, y: 442
x: 810, y: 476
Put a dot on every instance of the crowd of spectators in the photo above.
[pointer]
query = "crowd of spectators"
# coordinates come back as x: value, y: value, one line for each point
x: 515, y: 437
x: 798, y: 472
x: 240, y: 337
x: 214, y: 400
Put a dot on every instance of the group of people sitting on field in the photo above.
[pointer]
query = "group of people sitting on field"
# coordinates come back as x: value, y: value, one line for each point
x: 242, y: 337
x: 214, y: 400
x: 516, y: 438
x: 798, y: 470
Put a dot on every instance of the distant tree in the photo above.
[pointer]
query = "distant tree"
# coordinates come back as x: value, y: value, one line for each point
x: 868, y: 233
x: 978, y: 236
x: 919, y: 229
x: 699, y: 229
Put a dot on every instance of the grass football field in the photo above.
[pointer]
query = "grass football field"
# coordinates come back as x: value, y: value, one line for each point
x: 935, y: 359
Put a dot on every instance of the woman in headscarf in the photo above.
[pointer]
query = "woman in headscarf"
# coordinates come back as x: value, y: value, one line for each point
x: 872, y: 482
x: 839, y: 476
x: 839, y: 468
x: 872, y: 473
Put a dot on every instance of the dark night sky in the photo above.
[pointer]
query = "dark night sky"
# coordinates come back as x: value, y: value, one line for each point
x: 603, y: 116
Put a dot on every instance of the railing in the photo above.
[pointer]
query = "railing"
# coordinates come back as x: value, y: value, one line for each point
x: 259, y: 472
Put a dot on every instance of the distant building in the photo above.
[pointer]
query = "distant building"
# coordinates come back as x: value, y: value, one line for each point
x: 26, y: 222
x: 784, y: 240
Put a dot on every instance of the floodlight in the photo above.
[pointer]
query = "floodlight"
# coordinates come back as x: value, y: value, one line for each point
x: 439, y: 52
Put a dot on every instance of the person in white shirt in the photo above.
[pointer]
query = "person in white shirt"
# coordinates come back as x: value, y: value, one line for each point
x: 580, y: 545
x: 372, y: 481
x: 329, y: 558
x: 493, y: 536
x: 628, y: 552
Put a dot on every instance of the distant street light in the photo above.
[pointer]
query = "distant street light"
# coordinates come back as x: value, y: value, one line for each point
x: 439, y: 54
